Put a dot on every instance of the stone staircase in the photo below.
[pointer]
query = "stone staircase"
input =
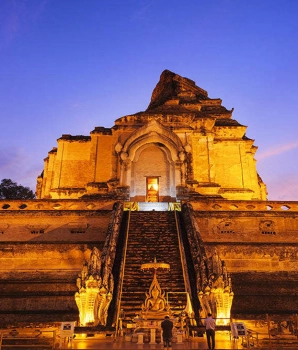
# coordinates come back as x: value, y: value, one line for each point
x: 152, y: 234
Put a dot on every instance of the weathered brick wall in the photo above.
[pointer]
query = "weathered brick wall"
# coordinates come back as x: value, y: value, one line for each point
x: 261, y: 293
x: 251, y: 240
x: 38, y: 295
x: 38, y: 256
x: 43, y: 246
x: 53, y: 226
x: 72, y: 168
x: 38, y: 270
x: 258, y: 241
x: 104, y: 161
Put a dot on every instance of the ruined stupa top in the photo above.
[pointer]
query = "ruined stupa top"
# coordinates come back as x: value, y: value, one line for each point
x: 177, y: 97
x: 173, y: 87
x: 175, y: 100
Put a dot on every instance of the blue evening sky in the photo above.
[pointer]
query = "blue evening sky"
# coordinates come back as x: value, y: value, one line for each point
x: 67, y: 66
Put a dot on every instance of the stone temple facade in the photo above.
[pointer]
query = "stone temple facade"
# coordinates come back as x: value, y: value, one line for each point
x: 184, y: 153
x: 185, y: 141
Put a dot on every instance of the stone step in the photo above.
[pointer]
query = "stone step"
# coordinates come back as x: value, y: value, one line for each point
x: 151, y: 235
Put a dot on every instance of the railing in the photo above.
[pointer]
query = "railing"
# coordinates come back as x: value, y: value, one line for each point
x: 121, y: 278
x: 201, y: 205
x: 241, y: 205
x: 276, y: 337
x: 55, y: 204
x: 271, y: 333
x: 18, y: 339
x: 184, y: 266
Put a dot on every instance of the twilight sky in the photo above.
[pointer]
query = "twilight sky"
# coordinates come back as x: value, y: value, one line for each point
x: 67, y: 66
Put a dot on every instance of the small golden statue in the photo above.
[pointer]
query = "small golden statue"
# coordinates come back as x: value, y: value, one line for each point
x: 155, y: 301
x: 155, y: 305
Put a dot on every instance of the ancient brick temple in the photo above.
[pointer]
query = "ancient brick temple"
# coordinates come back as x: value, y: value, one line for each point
x: 185, y: 143
x: 175, y: 184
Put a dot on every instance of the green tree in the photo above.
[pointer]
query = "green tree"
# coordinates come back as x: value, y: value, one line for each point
x: 11, y: 190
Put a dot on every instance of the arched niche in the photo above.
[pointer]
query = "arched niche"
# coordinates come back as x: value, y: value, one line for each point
x: 153, y: 150
x: 152, y: 160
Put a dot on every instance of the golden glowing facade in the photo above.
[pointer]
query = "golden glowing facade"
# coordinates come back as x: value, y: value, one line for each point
x: 184, y: 145
x: 185, y: 157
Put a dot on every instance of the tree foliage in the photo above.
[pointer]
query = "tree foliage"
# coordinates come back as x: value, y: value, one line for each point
x: 11, y: 190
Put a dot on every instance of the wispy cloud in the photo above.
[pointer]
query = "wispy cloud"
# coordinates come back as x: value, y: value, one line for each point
x: 274, y: 151
x: 141, y: 13
x: 283, y: 189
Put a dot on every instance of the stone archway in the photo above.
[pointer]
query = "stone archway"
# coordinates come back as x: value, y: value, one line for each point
x: 153, y: 150
x: 152, y: 160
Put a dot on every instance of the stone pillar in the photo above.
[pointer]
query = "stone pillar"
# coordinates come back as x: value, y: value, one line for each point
x: 140, y: 338
x: 152, y: 336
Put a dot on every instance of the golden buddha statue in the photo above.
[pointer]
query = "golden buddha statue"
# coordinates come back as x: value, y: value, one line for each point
x: 155, y: 305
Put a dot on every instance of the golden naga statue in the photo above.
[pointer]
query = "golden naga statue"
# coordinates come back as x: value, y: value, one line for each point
x: 216, y: 296
x: 95, y: 291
